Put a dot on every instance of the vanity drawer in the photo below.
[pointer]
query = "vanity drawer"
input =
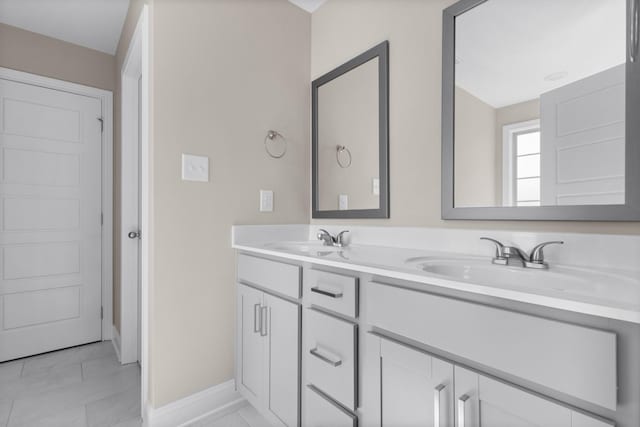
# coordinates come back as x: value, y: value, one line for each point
x: 571, y: 359
x: 276, y: 276
x: 332, y: 356
x: 332, y: 291
x: 322, y: 412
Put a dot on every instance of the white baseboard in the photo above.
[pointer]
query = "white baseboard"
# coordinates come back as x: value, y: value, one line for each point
x: 217, y: 400
x: 115, y: 340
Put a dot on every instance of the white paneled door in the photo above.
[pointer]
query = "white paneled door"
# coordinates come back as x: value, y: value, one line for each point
x: 50, y: 219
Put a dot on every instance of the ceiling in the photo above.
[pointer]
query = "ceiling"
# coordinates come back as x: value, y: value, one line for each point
x: 308, y: 5
x: 95, y: 24
x: 506, y: 48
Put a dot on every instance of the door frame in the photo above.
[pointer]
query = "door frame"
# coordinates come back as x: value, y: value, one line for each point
x: 135, y: 66
x: 106, y: 101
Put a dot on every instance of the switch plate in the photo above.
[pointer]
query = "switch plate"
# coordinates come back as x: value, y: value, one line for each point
x: 266, y: 201
x: 195, y: 168
x: 343, y: 202
x: 375, y: 186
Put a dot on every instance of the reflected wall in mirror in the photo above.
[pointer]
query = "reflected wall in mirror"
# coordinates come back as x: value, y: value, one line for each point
x: 539, y: 105
x: 350, y: 138
x: 539, y: 96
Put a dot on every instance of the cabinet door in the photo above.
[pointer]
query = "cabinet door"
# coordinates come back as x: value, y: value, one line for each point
x: 416, y: 388
x: 321, y: 411
x: 284, y: 355
x: 252, y: 353
x: 485, y: 402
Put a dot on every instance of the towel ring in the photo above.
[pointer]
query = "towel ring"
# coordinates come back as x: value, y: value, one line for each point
x: 272, y: 135
x: 341, y: 163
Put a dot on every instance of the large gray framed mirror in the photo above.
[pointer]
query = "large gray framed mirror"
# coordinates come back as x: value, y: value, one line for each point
x: 540, y: 108
x: 350, y: 138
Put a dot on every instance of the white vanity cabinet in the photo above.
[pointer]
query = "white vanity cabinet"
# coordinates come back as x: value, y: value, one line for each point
x: 319, y: 346
x: 416, y: 388
x: 268, y: 342
x: 483, y: 401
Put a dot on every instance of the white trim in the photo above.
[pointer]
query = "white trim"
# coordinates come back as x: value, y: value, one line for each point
x: 106, y: 99
x: 129, y: 206
x: 115, y: 340
x: 136, y: 64
x: 508, y: 178
x: 218, y: 400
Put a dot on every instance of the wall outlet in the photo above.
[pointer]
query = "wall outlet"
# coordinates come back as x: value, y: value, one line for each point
x: 195, y: 168
x: 343, y: 202
x: 266, y: 201
x: 375, y: 186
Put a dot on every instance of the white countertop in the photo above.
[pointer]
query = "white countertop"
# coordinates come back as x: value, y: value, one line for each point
x: 611, y: 293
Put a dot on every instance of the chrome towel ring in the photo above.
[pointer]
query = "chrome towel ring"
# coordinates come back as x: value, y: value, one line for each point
x: 345, y: 162
x: 272, y: 136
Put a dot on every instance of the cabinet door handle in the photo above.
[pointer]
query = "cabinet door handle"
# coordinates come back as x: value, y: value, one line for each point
x: 257, y: 319
x: 263, y: 321
x: 316, y: 353
x: 462, y: 400
x: 330, y: 294
x: 436, y: 404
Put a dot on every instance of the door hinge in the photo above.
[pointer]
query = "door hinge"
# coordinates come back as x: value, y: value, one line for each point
x: 101, y: 120
x: 101, y: 218
x: 102, y: 312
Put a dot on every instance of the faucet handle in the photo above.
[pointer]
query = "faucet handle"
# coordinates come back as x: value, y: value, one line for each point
x: 339, y: 238
x: 537, y: 255
x: 499, y: 247
x: 322, y: 233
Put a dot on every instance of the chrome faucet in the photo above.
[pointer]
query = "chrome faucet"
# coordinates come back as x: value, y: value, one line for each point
x: 329, y: 240
x: 509, y: 255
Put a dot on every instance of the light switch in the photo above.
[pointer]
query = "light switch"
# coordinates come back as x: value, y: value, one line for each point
x: 195, y: 168
x: 343, y: 202
x: 375, y: 186
x: 266, y: 201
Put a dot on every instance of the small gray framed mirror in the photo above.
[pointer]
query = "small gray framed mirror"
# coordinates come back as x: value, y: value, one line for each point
x: 539, y: 110
x: 350, y: 138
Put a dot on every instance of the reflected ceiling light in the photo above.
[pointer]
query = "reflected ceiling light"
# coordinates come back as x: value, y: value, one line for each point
x: 556, y: 76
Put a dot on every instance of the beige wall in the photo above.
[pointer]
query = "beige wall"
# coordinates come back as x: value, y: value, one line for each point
x: 37, y: 54
x: 133, y: 14
x: 348, y: 111
x: 475, y: 159
x: 342, y: 29
x: 224, y: 73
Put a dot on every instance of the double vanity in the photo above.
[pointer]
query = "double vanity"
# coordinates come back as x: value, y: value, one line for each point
x: 377, y: 334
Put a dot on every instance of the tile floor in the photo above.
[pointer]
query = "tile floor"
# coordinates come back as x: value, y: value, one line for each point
x: 78, y: 387
x: 84, y: 386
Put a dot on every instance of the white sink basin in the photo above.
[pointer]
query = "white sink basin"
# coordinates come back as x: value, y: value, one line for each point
x: 486, y: 273
x: 571, y: 280
x: 305, y: 247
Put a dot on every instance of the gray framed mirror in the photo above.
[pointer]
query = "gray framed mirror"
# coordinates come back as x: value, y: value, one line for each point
x: 350, y: 138
x: 540, y: 110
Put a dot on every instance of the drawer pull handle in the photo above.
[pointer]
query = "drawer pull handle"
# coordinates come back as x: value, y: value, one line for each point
x: 263, y: 321
x: 316, y: 353
x: 257, y: 319
x: 317, y: 290
x: 461, y: 409
x: 436, y: 405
